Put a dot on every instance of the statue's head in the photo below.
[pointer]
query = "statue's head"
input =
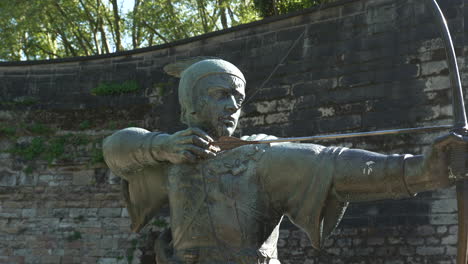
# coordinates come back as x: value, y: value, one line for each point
x: 211, y: 93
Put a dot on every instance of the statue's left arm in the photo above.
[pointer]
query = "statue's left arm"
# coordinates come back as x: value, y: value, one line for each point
x: 361, y: 175
x: 312, y: 184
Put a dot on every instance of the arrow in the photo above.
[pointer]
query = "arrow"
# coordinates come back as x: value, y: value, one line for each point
x: 227, y: 143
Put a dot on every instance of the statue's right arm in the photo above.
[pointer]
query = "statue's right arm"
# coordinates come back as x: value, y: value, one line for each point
x: 131, y: 155
x: 131, y: 149
x: 142, y: 157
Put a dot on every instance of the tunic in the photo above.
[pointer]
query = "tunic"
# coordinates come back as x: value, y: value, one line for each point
x: 227, y: 209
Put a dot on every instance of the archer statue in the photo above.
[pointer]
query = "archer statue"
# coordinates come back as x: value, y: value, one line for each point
x: 226, y: 204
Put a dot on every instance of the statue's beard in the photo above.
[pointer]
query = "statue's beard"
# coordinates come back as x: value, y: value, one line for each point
x: 220, y: 130
x: 219, y: 127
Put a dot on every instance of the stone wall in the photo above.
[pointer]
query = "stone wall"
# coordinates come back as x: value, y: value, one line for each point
x: 357, y: 66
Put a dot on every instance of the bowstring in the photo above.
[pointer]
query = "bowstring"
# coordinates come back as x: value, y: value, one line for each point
x: 280, y: 63
x: 274, y: 69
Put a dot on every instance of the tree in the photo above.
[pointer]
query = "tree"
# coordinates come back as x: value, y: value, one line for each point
x: 49, y: 29
x: 267, y: 8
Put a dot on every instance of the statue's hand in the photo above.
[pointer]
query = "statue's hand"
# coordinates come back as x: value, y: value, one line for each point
x: 186, y: 146
x: 442, y: 162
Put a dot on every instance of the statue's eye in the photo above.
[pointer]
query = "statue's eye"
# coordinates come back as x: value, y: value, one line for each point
x: 222, y: 94
x: 239, y: 99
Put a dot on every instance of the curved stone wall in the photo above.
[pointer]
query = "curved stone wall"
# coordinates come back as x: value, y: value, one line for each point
x: 358, y: 66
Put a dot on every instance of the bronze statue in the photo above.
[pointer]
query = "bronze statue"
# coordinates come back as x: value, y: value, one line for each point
x: 226, y: 206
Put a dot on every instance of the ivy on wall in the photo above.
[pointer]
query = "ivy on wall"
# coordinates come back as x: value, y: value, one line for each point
x: 41, y: 143
x: 112, y: 88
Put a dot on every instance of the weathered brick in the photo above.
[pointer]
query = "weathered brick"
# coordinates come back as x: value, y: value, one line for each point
x: 83, y: 177
x: 434, y: 68
x: 450, y: 240
x: 109, y: 212
x: 425, y: 230
x: 428, y: 251
x: 444, y: 206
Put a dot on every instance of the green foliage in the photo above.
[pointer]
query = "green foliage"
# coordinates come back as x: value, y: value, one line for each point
x: 74, y: 236
x: 85, y: 125
x: 55, y: 148
x: 61, y: 147
x: 134, y: 244
x: 79, y: 219
x: 40, y: 148
x: 268, y: 8
x: 30, y: 151
x: 28, y: 170
x: 97, y: 156
x: 78, y: 139
x: 115, y: 88
x: 49, y: 29
x: 161, y: 89
x: 160, y: 223
x: 39, y: 129
x: 112, y: 125
x: 7, y: 130
x: 25, y: 100
x: 20, y: 101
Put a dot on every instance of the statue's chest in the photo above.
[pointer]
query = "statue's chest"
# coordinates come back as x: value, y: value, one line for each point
x: 218, y: 199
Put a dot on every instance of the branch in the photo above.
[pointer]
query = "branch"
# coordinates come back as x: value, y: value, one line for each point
x: 66, y: 43
x: 155, y: 32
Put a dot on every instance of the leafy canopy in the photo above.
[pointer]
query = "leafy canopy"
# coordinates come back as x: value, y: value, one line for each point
x: 49, y: 29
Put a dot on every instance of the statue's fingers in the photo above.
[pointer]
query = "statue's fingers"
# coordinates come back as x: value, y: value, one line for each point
x: 195, y: 140
x: 198, y: 141
x: 200, y: 152
x: 201, y: 134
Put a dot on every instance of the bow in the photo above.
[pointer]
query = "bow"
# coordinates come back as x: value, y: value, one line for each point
x: 458, y: 155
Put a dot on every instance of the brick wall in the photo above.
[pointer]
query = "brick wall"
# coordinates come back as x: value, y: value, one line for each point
x: 360, y: 66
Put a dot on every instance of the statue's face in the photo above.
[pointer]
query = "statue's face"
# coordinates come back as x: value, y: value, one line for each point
x: 218, y: 104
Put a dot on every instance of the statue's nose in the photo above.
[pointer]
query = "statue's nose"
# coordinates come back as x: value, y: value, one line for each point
x: 231, y: 104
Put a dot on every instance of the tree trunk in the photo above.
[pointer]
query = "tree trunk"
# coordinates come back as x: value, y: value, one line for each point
x: 222, y: 12
x: 202, y: 14
x: 115, y: 11
x: 136, y: 25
